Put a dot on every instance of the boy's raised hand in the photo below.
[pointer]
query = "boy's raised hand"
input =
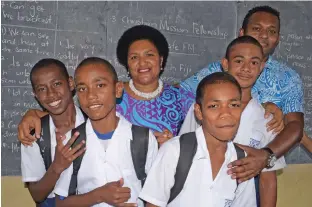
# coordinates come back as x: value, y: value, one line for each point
x: 115, y: 194
x: 64, y: 154
x: 162, y: 137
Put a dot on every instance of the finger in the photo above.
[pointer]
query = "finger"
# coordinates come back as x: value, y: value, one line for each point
x: 122, y: 197
x: 236, y: 163
x: 278, y: 129
x: 267, y: 113
x: 123, y: 190
x: 271, y: 122
x: 26, y: 143
x: 157, y: 134
x: 245, y: 175
x: 59, y: 139
x: 71, y: 141
x: 121, y: 182
x: 37, y: 124
x: 272, y: 126
x: 77, y: 154
x: 251, y: 175
x: 234, y: 170
x: 76, y: 148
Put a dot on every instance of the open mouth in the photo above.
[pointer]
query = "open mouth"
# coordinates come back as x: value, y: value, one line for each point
x: 55, y: 104
x: 95, y: 106
x: 144, y: 70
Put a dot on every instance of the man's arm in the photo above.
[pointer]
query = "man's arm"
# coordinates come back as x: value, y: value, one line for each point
x: 268, y: 189
x: 307, y: 142
x: 290, y: 135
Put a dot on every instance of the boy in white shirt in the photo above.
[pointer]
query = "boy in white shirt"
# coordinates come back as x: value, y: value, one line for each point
x: 244, y: 60
x: 42, y: 166
x: 218, y: 106
x: 107, y: 176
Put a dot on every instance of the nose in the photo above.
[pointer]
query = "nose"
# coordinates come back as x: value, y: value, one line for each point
x: 246, y: 67
x: 51, y: 92
x: 264, y: 34
x: 91, y: 94
x: 225, y: 112
x: 142, y: 61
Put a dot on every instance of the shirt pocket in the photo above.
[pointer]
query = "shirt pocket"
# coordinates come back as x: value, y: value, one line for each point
x: 256, y: 138
x: 224, y: 199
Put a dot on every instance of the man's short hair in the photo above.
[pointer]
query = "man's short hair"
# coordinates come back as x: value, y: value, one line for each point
x: 43, y: 63
x: 215, y: 78
x: 266, y: 9
x: 97, y: 60
x: 240, y: 40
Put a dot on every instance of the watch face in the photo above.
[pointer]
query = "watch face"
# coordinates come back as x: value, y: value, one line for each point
x: 272, y: 160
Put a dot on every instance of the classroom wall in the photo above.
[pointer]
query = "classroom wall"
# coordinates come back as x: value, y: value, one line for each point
x: 293, y: 188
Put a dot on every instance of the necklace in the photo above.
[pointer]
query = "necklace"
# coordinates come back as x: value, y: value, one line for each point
x: 147, y: 95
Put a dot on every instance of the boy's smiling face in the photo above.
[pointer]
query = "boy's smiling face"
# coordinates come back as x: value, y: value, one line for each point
x: 245, y: 63
x: 52, y: 89
x: 97, y: 90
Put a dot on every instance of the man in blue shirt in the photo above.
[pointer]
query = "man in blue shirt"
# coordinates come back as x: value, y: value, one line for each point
x: 277, y: 83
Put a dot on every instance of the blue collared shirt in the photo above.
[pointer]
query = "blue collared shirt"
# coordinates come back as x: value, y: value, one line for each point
x: 277, y: 83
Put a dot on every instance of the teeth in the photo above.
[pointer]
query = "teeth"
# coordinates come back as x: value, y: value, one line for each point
x: 94, y: 106
x: 143, y: 70
x: 55, y: 103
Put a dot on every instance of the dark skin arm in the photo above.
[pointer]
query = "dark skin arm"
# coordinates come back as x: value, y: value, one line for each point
x: 268, y: 189
x: 307, y: 142
x: 256, y: 160
x: 111, y: 193
x: 63, y: 158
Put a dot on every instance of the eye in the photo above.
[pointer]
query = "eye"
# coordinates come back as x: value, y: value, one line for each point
x: 235, y: 105
x: 256, y: 29
x: 101, y: 85
x: 272, y: 31
x: 81, y: 89
x: 150, y: 54
x: 254, y: 63
x: 134, y: 57
x: 238, y: 61
x: 212, y: 106
x: 41, y: 89
x: 57, y: 83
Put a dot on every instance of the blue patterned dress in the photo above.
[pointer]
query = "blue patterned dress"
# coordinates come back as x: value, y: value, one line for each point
x: 167, y: 111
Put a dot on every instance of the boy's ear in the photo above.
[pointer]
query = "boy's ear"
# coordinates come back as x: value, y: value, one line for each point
x: 71, y: 83
x: 225, y: 64
x: 198, y: 112
x: 119, y: 89
x: 241, y: 32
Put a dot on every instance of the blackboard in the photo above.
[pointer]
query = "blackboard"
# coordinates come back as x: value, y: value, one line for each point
x: 197, y: 32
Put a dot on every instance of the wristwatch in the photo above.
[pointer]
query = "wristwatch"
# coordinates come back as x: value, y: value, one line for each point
x: 272, y: 158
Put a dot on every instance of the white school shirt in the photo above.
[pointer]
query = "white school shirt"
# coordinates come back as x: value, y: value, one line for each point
x: 99, y: 167
x: 251, y: 132
x: 200, y: 189
x: 32, y: 164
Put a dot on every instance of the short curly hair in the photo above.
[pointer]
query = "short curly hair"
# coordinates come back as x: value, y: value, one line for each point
x: 141, y: 32
x: 254, y: 10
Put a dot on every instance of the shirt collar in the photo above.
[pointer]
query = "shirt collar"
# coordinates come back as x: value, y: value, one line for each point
x: 202, y: 150
x: 121, y: 130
